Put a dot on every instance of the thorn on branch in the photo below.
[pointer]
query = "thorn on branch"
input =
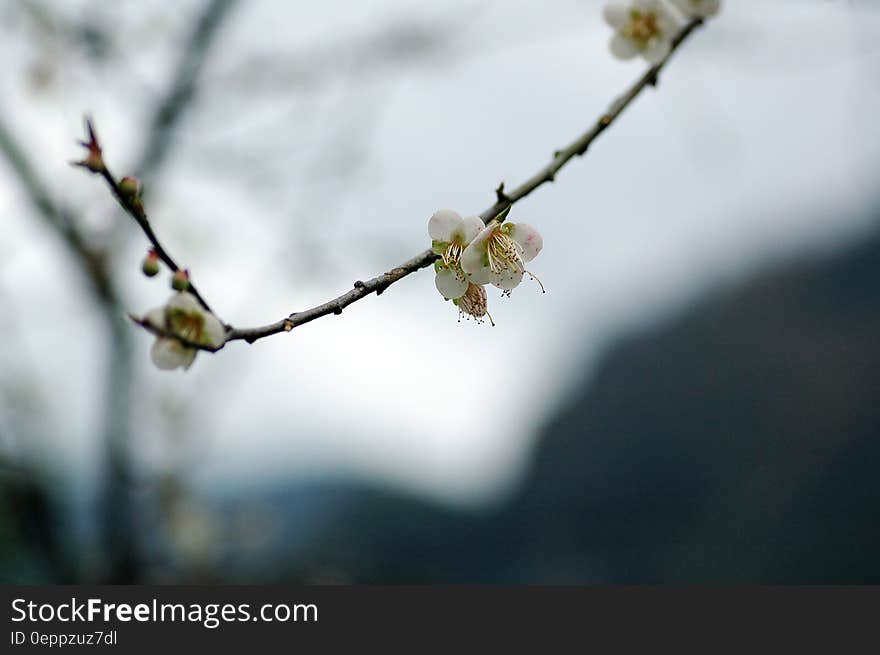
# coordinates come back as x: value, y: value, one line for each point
x: 502, y: 198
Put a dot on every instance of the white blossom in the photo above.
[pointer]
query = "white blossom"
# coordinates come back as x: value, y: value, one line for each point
x: 184, y: 317
x: 498, y: 254
x: 641, y: 27
x: 450, y: 235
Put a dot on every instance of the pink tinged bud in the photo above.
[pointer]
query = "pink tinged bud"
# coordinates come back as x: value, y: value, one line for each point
x: 180, y: 280
x: 129, y: 187
x: 94, y: 161
x: 150, y: 265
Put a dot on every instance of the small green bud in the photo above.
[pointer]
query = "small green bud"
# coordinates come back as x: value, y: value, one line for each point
x: 129, y: 187
x: 150, y: 265
x: 180, y: 280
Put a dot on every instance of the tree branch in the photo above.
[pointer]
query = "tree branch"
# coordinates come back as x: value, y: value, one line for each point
x: 182, y: 90
x: 378, y: 284
x: 93, y: 261
x: 130, y: 201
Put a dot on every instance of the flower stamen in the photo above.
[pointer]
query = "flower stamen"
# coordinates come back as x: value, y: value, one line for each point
x: 504, y: 253
x: 474, y: 303
x: 452, y: 254
x: 642, y: 27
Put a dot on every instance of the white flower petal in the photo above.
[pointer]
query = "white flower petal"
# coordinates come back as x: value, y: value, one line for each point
x: 186, y: 301
x: 656, y: 50
x: 156, y: 318
x: 709, y: 8
x: 507, y: 279
x: 473, y: 225
x: 648, y: 6
x: 528, y: 239
x: 442, y: 224
x: 475, y: 258
x: 213, y: 331
x: 616, y: 14
x: 168, y: 354
x: 481, y: 275
x: 622, y: 47
x: 450, y: 283
x: 668, y: 24
x: 189, y: 358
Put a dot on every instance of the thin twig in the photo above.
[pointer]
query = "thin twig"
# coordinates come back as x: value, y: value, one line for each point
x: 135, y: 209
x: 504, y: 200
x: 130, y: 202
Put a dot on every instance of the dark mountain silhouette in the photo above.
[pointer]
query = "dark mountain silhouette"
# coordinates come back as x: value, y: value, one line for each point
x: 737, y: 442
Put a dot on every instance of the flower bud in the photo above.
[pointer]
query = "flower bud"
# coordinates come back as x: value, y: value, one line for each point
x: 129, y: 187
x: 150, y: 265
x: 180, y: 280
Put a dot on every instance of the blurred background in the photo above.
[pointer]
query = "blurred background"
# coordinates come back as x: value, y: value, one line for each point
x: 694, y: 399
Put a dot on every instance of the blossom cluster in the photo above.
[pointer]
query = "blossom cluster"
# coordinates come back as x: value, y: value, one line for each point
x: 647, y: 27
x: 472, y: 255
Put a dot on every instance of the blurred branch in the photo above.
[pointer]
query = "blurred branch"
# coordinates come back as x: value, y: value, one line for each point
x: 504, y: 200
x: 117, y: 533
x: 92, y: 261
x: 117, y: 512
x: 182, y: 90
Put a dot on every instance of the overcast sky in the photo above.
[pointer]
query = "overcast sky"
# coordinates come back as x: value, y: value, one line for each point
x: 761, y: 140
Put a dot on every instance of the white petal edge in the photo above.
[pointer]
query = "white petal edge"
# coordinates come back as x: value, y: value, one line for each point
x: 529, y: 240
x: 616, y: 14
x: 186, y: 301
x: 507, y: 280
x: 442, y: 224
x: 156, y: 318
x: 622, y: 47
x: 648, y: 5
x: 450, y: 283
x: 658, y: 49
x: 474, y: 260
x: 710, y: 8
x: 168, y: 354
x: 474, y: 256
x: 473, y: 225
x: 213, y: 330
